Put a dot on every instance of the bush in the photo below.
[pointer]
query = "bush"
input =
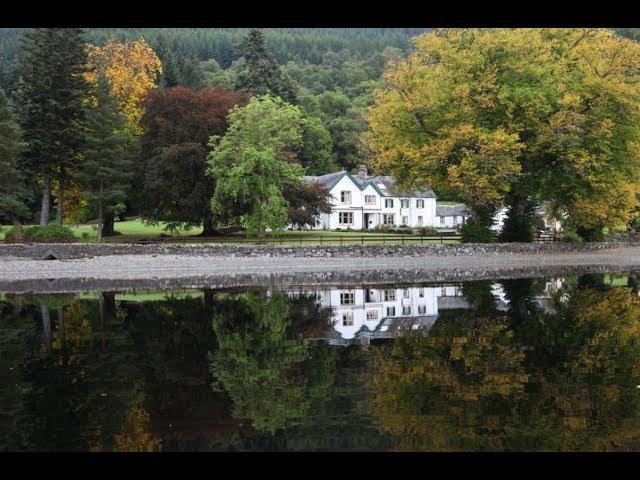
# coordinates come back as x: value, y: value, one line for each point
x: 572, y: 236
x: 477, y: 230
x: 428, y: 231
x: 49, y: 233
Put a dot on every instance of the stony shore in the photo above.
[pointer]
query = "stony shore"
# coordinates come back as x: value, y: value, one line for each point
x: 222, y: 268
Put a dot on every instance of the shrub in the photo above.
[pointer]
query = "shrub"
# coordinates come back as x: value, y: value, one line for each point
x: 572, y: 236
x: 427, y: 231
x: 477, y: 230
x: 48, y: 233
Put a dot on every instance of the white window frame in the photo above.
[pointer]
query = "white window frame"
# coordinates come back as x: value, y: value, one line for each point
x: 419, y: 219
x: 405, y: 220
x: 406, y: 310
x: 422, y: 309
x: 406, y: 293
x: 441, y: 220
x: 391, y: 311
x: 421, y: 292
x: 455, y: 219
x: 390, y: 295
x: 349, y: 216
x: 369, y: 199
x: 347, y: 298
x: 388, y: 218
x: 419, y: 203
x: 347, y: 319
x: 372, y: 314
x: 388, y: 203
x: 404, y: 203
x: 345, y: 197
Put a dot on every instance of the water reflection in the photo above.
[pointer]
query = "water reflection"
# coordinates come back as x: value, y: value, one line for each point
x: 517, y: 365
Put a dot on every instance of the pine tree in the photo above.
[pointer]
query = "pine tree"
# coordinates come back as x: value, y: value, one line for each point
x: 261, y: 74
x: 106, y: 170
x: 53, y: 92
x: 11, y: 188
x: 170, y: 73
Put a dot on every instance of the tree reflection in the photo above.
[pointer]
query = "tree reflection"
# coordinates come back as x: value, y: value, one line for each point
x: 271, y: 378
x: 479, y: 383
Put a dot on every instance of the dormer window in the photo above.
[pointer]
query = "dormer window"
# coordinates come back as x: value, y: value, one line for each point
x: 345, y: 196
x: 369, y: 199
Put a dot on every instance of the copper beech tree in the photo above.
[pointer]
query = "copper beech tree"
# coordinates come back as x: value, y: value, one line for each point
x: 177, y: 124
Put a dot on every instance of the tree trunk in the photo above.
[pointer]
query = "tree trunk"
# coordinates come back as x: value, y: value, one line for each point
x: 207, y: 226
x: 60, y: 203
x: 46, y: 199
x: 46, y: 325
x: 107, y: 225
x: 100, y: 213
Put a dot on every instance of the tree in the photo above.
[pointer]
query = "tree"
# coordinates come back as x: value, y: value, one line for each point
x: 11, y: 182
x: 306, y: 202
x: 254, y: 161
x: 52, y: 94
x: 177, y: 125
x: 317, y: 149
x: 261, y: 74
x: 106, y: 170
x: 512, y: 116
x: 132, y: 69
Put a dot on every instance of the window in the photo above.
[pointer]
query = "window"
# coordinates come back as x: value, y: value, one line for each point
x: 419, y: 220
x: 455, y: 220
x: 405, y: 220
x: 391, y: 311
x: 389, y: 295
x: 406, y: 310
x: 406, y: 293
x: 347, y: 298
x: 388, y: 202
x: 422, y: 309
x: 347, y: 319
x: 388, y: 218
x: 345, y: 196
x: 404, y: 203
x: 345, y: 218
x: 441, y: 220
x: 419, y: 203
x: 443, y: 291
x: 372, y: 314
x: 370, y: 199
x: 421, y: 292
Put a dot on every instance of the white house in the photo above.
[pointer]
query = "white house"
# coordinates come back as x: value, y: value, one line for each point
x: 451, y: 216
x: 363, y: 202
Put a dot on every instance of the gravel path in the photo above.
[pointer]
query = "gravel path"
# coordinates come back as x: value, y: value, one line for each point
x: 137, y: 267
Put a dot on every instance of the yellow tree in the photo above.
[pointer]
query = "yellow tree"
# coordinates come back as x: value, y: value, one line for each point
x: 132, y: 69
x: 513, y: 116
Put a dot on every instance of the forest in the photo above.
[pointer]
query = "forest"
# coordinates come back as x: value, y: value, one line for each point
x: 215, y: 128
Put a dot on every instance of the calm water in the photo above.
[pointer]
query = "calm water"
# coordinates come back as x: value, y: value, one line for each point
x: 513, y: 365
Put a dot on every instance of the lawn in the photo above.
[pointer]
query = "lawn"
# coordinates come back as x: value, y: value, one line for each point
x: 133, y: 230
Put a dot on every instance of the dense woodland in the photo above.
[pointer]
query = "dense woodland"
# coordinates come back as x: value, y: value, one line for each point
x: 216, y: 127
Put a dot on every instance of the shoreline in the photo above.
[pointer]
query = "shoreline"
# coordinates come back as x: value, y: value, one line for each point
x: 163, y: 271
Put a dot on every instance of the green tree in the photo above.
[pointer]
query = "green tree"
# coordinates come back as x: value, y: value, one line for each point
x: 106, y: 171
x: 512, y: 116
x: 261, y: 74
x: 317, y: 154
x: 11, y: 182
x: 53, y: 96
x: 255, y: 160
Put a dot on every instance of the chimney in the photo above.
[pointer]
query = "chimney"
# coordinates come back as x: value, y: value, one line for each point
x: 362, y: 172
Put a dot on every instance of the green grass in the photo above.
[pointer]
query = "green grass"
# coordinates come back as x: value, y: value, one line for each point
x: 132, y: 230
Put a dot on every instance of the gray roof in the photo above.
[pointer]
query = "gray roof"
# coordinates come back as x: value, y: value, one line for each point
x: 452, y: 210
x: 453, y: 302
x: 329, y: 180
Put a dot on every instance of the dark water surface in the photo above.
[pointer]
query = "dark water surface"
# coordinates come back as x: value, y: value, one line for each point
x: 504, y: 365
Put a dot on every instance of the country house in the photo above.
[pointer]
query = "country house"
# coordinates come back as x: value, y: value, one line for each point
x: 362, y: 202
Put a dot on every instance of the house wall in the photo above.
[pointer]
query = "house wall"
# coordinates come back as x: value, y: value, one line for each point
x: 450, y: 221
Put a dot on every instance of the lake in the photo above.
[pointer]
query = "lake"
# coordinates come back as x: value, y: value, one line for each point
x: 536, y: 364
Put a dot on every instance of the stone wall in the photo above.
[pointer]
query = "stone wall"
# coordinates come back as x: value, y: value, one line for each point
x: 64, y: 251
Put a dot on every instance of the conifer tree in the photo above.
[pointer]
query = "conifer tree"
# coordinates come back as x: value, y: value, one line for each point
x: 261, y: 74
x: 106, y: 170
x: 11, y: 188
x: 53, y: 93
